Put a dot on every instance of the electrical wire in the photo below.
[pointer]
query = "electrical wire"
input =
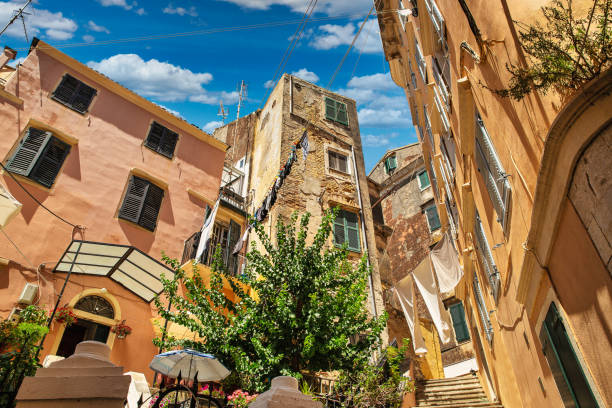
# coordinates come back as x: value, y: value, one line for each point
x: 17, y: 248
x: 37, y: 200
x: 295, y: 39
x: 331, y: 81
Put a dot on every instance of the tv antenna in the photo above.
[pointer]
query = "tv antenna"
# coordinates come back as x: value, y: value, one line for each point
x: 18, y: 14
x: 222, y: 112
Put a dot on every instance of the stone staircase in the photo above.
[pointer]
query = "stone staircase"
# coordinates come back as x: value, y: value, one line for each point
x: 459, y: 392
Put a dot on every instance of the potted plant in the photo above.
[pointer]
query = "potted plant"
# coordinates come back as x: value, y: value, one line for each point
x: 240, y: 399
x: 65, y: 315
x: 121, y: 330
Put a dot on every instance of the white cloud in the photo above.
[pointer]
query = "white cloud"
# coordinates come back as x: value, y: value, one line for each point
x: 119, y: 3
x: 306, y: 75
x: 374, y: 81
x: 211, y: 126
x: 88, y: 38
x: 172, y: 111
x: 331, y: 36
x: 161, y: 81
x: 15, y: 62
x: 97, y: 28
x: 375, y: 140
x: 384, y: 118
x: 329, y: 7
x: 181, y: 11
x: 141, y: 11
x: 269, y: 84
x: 43, y: 23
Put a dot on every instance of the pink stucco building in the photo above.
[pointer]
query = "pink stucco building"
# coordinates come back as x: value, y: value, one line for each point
x: 122, y: 169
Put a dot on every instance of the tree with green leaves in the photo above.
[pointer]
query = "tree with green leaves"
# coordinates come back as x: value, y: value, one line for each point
x: 301, y: 307
x: 565, y: 53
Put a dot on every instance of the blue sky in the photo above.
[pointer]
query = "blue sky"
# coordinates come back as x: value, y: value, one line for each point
x: 190, y: 74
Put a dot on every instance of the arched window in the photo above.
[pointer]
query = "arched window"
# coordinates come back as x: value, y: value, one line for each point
x: 96, y: 305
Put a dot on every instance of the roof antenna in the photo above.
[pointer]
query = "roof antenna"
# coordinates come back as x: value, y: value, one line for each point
x: 17, y: 14
x: 222, y: 112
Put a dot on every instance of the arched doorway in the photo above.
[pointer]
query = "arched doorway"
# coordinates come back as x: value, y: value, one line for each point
x: 87, y: 327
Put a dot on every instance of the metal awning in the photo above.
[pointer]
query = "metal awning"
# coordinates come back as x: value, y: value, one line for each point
x: 126, y: 265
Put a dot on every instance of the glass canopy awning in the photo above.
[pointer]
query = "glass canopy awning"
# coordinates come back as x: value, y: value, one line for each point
x: 126, y: 265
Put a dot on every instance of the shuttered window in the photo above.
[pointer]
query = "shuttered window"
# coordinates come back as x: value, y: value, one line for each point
x: 458, y: 316
x: 423, y: 180
x: 482, y: 308
x: 39, y: 156
x: 433, y: 219
x: 346, y: 229
x: 420, y: 59
x: 161, y: 139
x: 336, y: 111
x: 337, y: 161
x: 231, y: 261
x: 390, y: 164
x: 141, y: 203
x: 493, y: 173
x: 74, y: 94
x: 486, y: 256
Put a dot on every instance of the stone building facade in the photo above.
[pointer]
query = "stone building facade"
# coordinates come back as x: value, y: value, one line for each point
x: 333, y: 174
x: 522, y: 190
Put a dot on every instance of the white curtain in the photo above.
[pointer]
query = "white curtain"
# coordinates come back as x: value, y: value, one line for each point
x: 426, y: 283
x: 403, y: 298
x: 9, y: 206
x: 207, y: 228
x: 445, y: 262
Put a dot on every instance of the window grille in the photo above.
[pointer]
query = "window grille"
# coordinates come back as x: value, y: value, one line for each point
x: 95, y: 305
x: 492, y: 171
x: 486, y: 255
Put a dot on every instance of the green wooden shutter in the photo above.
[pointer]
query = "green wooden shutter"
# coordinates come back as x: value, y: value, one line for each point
x: 29, y: 150
x: 150, y: 209
x: 433, y: 218
x: 341, y: 115
x: 134, y: 199
x: 330, y: 109
x: 50, y: 162
x: 458, y: 316
x: 352, y: 231
x: 424, y: 179
x: 339, y: 233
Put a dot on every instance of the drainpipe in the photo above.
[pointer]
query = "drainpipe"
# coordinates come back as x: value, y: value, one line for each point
x: 365, y: 237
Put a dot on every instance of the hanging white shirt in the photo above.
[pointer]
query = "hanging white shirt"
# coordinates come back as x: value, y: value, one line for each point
x: 9, y: 206
x: 404, y: 299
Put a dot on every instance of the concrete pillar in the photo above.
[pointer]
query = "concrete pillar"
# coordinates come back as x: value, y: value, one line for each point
x: 85, y: 379
x: 284, y: 393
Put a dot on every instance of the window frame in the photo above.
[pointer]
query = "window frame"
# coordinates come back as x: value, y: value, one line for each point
x: 346, y: 228
x: 455, y: 306
x: 337, y: 104
x: 486, y: 257
x: 41, y: 154
x: 421, y: 186
x: 426, y: 210
x: 390, y: 164
x: 70, y: 104
x: 482, y: 308
x: 166, y: 132
x: 335, y: 152
x: 141, y: 204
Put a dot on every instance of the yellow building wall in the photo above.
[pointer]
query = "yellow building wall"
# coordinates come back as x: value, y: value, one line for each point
x: 431, y: 362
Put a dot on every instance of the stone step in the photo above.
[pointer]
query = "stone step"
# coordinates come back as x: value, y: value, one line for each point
x: 450, y: 391
x: 475, y: 404
x: 451, y: 387
x: 463, y: 379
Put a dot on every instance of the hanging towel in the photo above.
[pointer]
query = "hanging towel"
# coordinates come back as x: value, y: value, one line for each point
x: 426, y: 283
x: 445, y: 262
x: 404, y: 299
x: 206, y: 231
x: 9, y: 206
x: 242, y: 240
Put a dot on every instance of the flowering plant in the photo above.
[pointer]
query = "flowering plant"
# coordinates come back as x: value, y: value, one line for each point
x: 163, y: 404
x: 215, y: 392
x: 240, y: 399
x: 65, y: 315
x: 121, y: 329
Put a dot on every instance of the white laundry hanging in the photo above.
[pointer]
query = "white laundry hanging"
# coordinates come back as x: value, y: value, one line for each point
x: 9, y: 206
x: 445, y: 262
x: 404, y: 299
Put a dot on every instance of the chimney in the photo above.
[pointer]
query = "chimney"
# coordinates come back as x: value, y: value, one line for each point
x: 9, y: 54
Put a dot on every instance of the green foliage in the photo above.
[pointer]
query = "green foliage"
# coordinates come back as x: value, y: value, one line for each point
x: 565, y: 53
x: 310, y: 300
x: 376, y: 386
x: 34, y: 314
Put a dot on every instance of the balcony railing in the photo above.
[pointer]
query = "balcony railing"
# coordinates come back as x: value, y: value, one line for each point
x: 222, y: 236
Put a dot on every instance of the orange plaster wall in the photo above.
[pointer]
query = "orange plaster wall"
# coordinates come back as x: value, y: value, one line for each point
x: 89, y: 190
x: 584, y: 289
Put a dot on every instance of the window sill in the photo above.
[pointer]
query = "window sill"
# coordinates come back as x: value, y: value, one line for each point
x: 138, y: 226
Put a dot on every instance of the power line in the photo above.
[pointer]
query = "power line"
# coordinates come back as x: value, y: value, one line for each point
x: 36, y: 199
x: 331, y: 81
